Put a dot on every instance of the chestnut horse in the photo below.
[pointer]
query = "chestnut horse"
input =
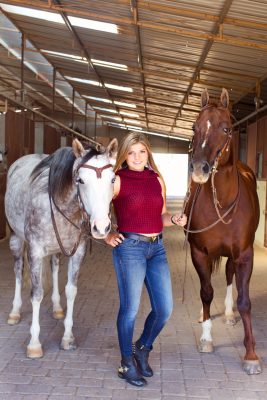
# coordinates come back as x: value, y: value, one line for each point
x: 223, y: 213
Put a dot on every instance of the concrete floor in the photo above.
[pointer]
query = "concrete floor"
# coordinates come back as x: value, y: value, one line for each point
x: 89, y: 372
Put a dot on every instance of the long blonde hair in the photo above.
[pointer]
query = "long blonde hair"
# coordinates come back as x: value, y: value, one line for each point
x: 129, y: 140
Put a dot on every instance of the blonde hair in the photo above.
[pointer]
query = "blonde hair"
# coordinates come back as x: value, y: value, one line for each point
x: 129, y: 140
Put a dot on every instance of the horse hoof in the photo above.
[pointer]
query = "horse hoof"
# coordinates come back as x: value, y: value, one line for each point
x: 34, y: 352
x: 13, y: 319
x: 205, y: 346
x: 68, y: 344
x: 58, y: 314
x: 252, y: 367
x: 230, y: 321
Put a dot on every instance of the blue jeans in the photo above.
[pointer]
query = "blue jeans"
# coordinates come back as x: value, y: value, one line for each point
x: 137, y: 262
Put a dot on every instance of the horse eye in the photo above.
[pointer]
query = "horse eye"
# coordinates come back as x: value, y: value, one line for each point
x: 79, y: 180
x: 226, y: 130
x: 113, y: 180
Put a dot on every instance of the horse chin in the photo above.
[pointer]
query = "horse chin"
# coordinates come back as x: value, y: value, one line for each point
x: 200, y: 178
x: 99, y: 235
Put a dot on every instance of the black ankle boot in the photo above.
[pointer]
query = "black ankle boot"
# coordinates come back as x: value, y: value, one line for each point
x: 141, y: 354
x: 128, y: 371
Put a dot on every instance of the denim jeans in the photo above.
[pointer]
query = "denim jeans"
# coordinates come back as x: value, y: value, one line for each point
x: 137, y: 262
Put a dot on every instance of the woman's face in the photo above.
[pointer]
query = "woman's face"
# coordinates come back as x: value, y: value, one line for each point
x: 137, y: 157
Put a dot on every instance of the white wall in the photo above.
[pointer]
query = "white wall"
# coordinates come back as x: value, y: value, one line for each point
x: 174, y: 169
x: 261, y: 190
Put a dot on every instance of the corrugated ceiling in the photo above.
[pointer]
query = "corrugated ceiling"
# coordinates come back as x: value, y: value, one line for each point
x: 171, y: 51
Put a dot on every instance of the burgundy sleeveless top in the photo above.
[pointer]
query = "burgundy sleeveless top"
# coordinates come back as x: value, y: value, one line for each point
x: 138, y: 206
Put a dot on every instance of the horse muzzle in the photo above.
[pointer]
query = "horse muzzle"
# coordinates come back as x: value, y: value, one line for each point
x: 200, y: 171
x: 100, y: 228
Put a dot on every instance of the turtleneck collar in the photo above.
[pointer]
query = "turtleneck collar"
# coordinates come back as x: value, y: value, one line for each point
x: 146, y: 173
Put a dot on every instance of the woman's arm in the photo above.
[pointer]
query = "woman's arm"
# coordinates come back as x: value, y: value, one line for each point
x: 167, y: 218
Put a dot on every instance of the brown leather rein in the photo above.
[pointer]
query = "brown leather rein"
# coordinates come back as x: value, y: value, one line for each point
x: 84, y: 222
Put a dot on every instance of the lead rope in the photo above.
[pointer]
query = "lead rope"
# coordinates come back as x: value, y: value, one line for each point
x: 185, y: 245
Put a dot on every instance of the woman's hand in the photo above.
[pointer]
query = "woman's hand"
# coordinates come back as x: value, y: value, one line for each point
x: 180, y: 220
x: 114, y: 238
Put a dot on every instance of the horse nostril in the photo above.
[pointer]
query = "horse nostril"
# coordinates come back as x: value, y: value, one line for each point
x: 95, y: 228
x: 206, y: 168
x: 107, y: 228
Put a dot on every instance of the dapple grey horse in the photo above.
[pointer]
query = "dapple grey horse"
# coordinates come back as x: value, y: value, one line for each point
x: 52, y: 204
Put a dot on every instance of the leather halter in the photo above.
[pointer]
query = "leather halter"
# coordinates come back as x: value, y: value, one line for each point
x: 97, y: 170
x: 85, y: 217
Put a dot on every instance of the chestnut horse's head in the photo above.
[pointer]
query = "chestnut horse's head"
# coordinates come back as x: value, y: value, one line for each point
x: 212, y: 135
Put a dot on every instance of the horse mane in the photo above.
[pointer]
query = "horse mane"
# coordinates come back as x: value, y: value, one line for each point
x: 57, y: 169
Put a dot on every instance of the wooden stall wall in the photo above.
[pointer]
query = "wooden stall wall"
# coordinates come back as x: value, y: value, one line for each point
x: 261, y: 156
x: 51, y: 139
x: 2, y: 207
x: 252, y: 145
x: 19, y: 140
x: 19, y: 136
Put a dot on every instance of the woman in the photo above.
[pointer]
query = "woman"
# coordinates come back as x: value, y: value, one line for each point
x: 139, y: 255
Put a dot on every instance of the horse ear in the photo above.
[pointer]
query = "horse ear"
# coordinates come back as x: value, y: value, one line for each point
x: 225, y: 98
x: 205, y: 98
x: 112, y: 148
x: 77, y: 148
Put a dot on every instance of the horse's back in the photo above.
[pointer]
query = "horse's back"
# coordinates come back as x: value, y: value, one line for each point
x: 18, y: 190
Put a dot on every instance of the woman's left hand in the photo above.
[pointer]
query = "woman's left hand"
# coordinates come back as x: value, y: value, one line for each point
x: 180, y: 220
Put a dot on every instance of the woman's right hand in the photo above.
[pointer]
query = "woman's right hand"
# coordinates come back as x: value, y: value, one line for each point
x: 114, y: 239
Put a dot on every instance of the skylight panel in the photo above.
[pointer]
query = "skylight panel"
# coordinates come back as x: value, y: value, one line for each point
x: 55, y: 17
x: 33, y: 13
x: 95, y: 25
x: 96, y: 83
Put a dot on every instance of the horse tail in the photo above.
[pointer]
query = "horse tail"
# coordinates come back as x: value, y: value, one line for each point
x: 216, y: 263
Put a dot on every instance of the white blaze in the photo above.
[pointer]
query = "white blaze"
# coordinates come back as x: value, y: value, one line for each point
x: 206, y: 134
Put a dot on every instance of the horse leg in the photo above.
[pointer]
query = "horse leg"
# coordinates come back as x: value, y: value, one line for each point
x: 243, y: 273
x: 17, y: 247
x: 34, y: 348
x: 58, y: 312
x: 229, y: 302
x: 68, y: 340
x: 203, y: 267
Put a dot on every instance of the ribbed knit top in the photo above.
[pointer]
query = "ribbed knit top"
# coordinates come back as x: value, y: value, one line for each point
x: 138, y: 206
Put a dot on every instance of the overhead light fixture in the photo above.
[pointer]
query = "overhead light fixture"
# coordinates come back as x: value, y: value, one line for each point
x: 123, y: 104
x: 101, y: 99
x: 87, y: 81
x: 129, y: 114
x: 117, y: 87
x: 105, y: 109
x: 110, y: 117
x: 109, y: 64
x: 133, y: 121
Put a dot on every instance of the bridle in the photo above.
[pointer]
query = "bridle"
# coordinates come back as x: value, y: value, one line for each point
x: 221, y: 218
x: 85, y: 218
x: 213, y: 171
